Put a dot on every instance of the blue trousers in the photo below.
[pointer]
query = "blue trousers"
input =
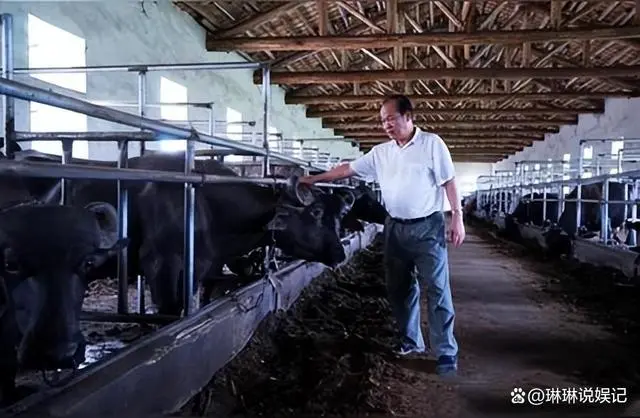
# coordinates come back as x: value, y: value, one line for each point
x: 415, y: 256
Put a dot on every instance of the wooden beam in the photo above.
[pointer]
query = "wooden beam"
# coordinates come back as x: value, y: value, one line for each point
x: 321, y: 5
x: 495, y: 124
x: 328, y: 77
x: 417, y: 40
x: 256, y: 20
x: 423, y: 98
x: 311, y: 113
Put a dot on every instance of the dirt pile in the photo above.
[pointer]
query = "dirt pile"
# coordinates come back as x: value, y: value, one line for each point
x: 327, y: 355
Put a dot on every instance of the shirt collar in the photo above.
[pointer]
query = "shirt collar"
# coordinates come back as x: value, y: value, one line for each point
x: 412, y: 141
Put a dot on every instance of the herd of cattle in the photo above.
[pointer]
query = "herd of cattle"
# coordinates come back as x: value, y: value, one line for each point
x: 559, y: 231
x: 50, y: 252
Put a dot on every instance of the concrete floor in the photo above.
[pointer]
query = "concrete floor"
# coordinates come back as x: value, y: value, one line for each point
x: 512, y: 334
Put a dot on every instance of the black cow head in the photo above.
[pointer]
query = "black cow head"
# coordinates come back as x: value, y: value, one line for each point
x: 366, y: 208
x: 311, y: 231
x: 46, y: 252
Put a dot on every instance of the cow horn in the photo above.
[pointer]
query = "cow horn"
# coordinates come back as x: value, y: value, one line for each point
x: 107, y: 219
x: 302, y: 193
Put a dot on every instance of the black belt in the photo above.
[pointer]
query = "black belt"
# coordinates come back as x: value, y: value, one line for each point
x: 410, y: 221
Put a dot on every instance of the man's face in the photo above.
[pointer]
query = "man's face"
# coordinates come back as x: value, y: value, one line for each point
x: 394, y: 124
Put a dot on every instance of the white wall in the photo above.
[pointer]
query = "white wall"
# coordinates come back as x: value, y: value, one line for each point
x: 621, y: 119
x: 118, y: 33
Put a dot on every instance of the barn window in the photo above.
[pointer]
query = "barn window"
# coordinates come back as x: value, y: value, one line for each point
x: 234, y: 130
x: 50, y: 46
x: 297, y: 147
x: 587, y: 153
x: 615, y: 147
x: 274, y: 140
x: 172, y: 92
x: 613, y: 171
x: 566, y: 166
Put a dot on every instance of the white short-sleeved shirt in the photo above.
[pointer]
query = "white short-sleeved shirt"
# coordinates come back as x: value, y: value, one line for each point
x: 410, y: 176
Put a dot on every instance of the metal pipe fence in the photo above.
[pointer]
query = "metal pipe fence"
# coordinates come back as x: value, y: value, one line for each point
x: 540, y: 176
x: 148, y: 130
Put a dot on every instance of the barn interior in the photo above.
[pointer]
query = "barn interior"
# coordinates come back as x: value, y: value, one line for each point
x: 536, y: 101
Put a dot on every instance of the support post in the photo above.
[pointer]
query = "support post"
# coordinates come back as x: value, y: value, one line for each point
x: 123, y: 227
x: 142, y: 98
x: 604, y: 212
x: 634, y: 212
x: 67, y: 155
x: 266, y: 98
x: 8, y: 102
x: 579, y: 191
x: 189, y: 228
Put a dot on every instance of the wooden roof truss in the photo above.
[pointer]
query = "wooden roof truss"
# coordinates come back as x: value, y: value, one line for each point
x: 491, y: 77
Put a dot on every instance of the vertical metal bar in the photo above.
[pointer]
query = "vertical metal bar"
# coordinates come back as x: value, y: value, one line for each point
x: 619, y: 161
x: 544, y: 204
x: 560, y: 208
x: 189, y: 229
x: 579, y: 205
x: 8, y: 102
x: 212, y: 121
x: 67, y: 154
x: 142, y: 99
x: 141, y: 299
x: 604, y: 212
x: 123, y: 227
x: 626, y: 198
x: 634, y: 212
x: 266, y: 98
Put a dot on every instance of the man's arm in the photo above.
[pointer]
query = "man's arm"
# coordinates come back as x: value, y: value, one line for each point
x: 363, y: 166
x: 451, y: 190
x: 445, y: 174
x: 337, y: 173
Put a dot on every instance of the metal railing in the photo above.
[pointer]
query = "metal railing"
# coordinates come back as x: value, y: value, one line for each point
x: 558, y: 176
x: 149, y: 130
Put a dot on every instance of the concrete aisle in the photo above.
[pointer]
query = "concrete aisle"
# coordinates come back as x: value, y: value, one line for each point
x: 512, y: 335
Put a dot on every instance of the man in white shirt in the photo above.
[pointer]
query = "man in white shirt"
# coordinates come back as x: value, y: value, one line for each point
x: 415, y: 171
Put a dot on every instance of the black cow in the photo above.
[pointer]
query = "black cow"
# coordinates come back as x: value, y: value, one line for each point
x: 366, y: 208
x: 590, y: 212
x: 231, y: 220
x: 531, y: 213
x: 559, y: 238
x: 46, y: 252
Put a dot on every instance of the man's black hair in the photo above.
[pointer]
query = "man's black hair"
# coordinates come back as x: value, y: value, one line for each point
x: 403, y: 104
